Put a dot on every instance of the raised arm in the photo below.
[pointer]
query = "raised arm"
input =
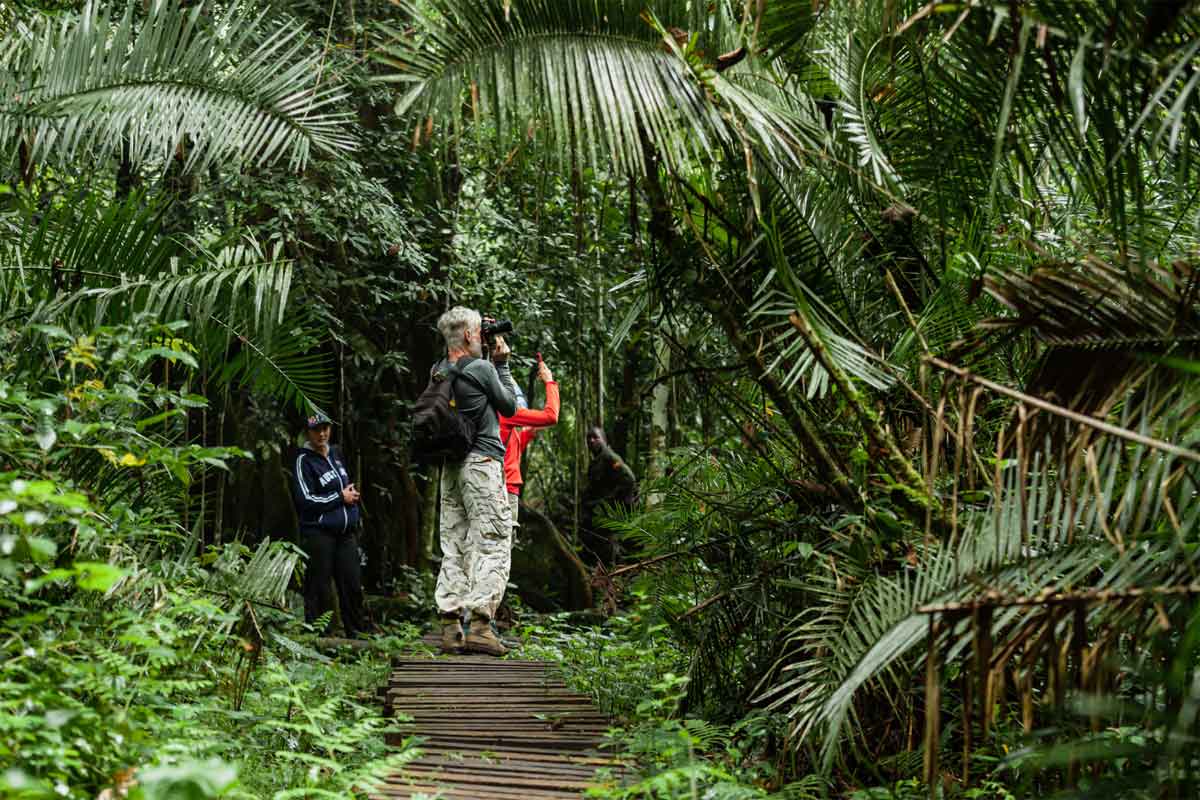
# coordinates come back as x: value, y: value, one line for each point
x: 498, y: 385
x: 538, y: 418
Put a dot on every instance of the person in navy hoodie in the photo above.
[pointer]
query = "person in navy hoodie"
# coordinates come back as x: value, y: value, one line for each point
x: 327, y: 505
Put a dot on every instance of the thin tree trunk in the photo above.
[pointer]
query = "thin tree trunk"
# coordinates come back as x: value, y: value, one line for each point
x: 600, y: 297
x: 219, y: 522
x: 580, y: 368
x: 429, y: 520
x: 578, y: 579
x: 673, y: 437
x: 917, y: 499
x: 599, y: 350
x: 581, y: 423
x: 627, y: 406
x: 630, y: 399
x: 202, y: 520
x: 659, y: 417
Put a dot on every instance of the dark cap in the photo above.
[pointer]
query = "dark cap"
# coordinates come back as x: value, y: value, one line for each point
x: 316, y: 420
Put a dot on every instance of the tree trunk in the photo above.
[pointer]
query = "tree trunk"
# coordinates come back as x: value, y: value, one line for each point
x: 628, y: 404
x: 429, y: 520
x: 662, y: 228
x: 659, y: 418
x: 578, y: 578
x: 600, y: 292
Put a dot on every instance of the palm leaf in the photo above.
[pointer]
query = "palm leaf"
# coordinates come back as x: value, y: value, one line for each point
x: 93, y: 265
x: 1053, y: 530
x: 604, y: 79
x: 236, y: 88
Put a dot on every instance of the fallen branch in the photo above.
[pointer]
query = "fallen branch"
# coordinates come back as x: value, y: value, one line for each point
x: 696, y: 609
x: 1058, y: 599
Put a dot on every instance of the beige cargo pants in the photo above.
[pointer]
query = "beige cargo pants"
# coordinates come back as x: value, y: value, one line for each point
x: 513, y: 505
x: 476, y: 536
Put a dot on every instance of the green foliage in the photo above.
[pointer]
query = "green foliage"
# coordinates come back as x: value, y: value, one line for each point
x: 620, y: 665
x: 125, y: 657
x: 143, y: 86
x: 596, y: 76
x: 770, y: 218
x: 79, y: 267
x: 674, y: 756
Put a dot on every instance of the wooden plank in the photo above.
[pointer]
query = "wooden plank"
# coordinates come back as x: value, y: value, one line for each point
x: 489, y: 723
x: 507, y: 701
x: 545, y: 744
x: 520, y: 756
x: 497, y: 776
x: 481, y: 662
x: 508, y: 767
x: 412, y: 787
x: 500, y: 736
x: 485, y: 727
x: 466, y: 793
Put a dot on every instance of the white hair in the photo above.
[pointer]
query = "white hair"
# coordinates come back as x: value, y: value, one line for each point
x: 456, y: 322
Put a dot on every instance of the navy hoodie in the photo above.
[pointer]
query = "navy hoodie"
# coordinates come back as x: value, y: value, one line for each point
x: 317, y: 483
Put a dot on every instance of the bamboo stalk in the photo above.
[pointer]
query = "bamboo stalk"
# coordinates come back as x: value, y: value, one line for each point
x: 933, y: 708
x: 1023, y: 475
x: 1027, y: 692
x: 1078, y: 635
x: 982, y: 620
x: 968, y: 712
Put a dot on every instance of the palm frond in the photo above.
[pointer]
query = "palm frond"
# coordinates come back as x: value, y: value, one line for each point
x: 93, y: 265
x: 292, y: 364
x: 1055, y: 529
x: 236, y: 87
x: 604, y: 79
x: 263, y: 578
x: 852, y: 358
x: 1098, y: 305
x: 784, y: 30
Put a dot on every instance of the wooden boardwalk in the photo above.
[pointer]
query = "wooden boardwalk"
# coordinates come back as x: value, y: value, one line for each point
x: 493, y: 728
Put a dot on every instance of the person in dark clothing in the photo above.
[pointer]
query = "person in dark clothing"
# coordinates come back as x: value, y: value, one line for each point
x: 327, y: 505
x: 610, y: 480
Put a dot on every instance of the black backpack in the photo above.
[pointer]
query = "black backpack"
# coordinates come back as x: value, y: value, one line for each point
x: 440, y: 433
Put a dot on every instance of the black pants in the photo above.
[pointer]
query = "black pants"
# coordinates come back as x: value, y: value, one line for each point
x: 333, y: 555
x: 600, y: 545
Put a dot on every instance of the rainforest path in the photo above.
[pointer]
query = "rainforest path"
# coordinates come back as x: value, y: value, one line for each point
x: 493, y: 728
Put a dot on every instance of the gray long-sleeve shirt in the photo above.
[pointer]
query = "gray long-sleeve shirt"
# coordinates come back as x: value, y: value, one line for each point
x: 498, y: 395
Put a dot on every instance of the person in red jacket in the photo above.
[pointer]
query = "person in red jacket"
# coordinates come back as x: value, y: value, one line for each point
x: 517, y: 431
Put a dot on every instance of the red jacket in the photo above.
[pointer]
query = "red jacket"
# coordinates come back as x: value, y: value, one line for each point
x: 520, y: 429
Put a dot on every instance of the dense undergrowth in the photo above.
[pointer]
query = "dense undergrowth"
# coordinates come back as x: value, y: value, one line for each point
x: 132, y: 662
x: 636, y: 670
x: 894, y: 305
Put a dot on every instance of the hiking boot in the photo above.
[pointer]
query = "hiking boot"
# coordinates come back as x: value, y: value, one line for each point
x: 482, y: 638
x: 452, y: 634
x: 509, y: 642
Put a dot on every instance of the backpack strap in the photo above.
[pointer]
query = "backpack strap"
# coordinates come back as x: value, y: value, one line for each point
x: 459, y: 371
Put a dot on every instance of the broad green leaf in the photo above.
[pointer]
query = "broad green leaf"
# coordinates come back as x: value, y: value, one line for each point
x: 97, y: 576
